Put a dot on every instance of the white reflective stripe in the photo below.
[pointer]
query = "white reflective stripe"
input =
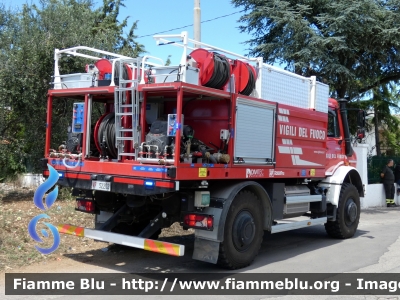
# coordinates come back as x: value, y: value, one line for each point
x: 297, y: 161
x: 136, y: 242
x: 284, y: 111
x: 121, y: 239
x: 290, y: 150
x: 296, y: 150
x: 287, y: 141
x: 284, y: 150
x: 283, y: 118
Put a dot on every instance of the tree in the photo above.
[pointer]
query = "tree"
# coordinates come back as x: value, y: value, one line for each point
x: 11, y: 150
x: 27, y: 44
x: 351, y: 45
x: 384, y: 100
x: 107, y: 20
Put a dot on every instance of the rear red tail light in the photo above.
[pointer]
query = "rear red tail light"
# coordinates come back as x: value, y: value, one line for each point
x: 85, y: 205
x: 199, y: 221
x: 210, y: 222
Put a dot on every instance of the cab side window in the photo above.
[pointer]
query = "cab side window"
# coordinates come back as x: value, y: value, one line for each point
x: 333, y: 128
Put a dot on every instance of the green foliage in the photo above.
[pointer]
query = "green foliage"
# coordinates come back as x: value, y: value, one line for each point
x: 376, y: 165
x: 106, y: 22
x: 27, y: 41
x: 168, y: 61
x: 65, y: 193
x: 391, y: 142
x: 352, y: 45
x: 12, y: 159
x: 384, y: 100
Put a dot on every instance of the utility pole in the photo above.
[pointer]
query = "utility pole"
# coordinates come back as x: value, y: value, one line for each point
x: 196, y: 23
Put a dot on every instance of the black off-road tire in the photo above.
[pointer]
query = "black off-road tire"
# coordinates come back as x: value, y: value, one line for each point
x: 347, y: 214
x: 243, y: 232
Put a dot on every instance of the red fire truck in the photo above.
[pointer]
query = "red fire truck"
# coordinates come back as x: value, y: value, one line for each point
x: 221, y: 143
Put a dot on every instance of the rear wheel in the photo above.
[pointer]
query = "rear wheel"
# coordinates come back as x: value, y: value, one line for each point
x: 347, y: 214
x: 243, y: 232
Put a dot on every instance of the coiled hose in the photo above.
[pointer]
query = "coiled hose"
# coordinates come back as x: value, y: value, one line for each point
x: 250, y: 84
x: 118, y: 76
x: 106, y: 135
x: 221, y: 73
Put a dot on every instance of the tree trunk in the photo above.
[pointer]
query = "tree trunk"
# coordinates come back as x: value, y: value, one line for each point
x: 376, y: 124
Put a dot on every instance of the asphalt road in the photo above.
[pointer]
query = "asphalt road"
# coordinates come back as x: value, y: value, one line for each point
x: 374, y: 249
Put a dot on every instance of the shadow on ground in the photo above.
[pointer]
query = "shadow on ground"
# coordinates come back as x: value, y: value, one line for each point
x: 275, y: 248
x: 379, y: 210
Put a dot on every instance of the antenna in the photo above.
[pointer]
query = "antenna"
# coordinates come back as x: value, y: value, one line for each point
x: 196, y: 23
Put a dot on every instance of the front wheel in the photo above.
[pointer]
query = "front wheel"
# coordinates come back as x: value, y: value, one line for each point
x: 243, y: 232
x: 347, y: 214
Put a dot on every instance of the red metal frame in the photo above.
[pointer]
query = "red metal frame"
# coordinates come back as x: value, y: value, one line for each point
x: 143, y: 117
x: 179, y: 129
x: 315, y: 150
x: 48, y: 124
x: 86, y: 105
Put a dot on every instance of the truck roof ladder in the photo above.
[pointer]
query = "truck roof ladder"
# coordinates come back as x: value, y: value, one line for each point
x: 127, y: 100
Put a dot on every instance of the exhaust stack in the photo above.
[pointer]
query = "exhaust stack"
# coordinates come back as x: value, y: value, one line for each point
x: 343, y: 113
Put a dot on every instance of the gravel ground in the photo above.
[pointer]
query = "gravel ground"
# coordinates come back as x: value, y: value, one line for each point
x: 17, y: 248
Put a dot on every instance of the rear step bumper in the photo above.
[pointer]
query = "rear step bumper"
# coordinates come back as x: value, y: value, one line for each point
x: 126, y: 240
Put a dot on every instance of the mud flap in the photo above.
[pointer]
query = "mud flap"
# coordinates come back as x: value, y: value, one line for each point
x: 206, y: 250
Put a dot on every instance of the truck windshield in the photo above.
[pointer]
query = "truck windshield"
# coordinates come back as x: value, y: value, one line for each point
x: 333, y: 128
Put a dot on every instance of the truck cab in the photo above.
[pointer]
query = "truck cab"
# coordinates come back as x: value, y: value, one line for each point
x: 336, y: 145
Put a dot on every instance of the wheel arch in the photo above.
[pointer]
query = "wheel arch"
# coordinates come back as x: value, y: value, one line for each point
x: 266, y: 203
x: 347, y: 214
x: 333, y: 184
x: 261, y: 194
x: 228, y: 194
x: 354, y: 178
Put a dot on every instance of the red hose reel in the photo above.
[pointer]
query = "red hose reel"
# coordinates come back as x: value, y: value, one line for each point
x: 244, y: 73
x: 105, y: 67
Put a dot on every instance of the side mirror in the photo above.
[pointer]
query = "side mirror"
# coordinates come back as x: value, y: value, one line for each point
x: 360, y: 135
x: 361, y: 119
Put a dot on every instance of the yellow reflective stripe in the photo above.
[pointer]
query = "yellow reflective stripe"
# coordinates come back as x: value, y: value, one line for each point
x: 162, y: 247
x: 73, y: 230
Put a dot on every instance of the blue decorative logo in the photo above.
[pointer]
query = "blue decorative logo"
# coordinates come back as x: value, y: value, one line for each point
x: 35, y: 236
x: 49, y: 201
x: 44, y: 187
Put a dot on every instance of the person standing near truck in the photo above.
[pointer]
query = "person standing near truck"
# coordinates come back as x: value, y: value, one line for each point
x: 388, y: 183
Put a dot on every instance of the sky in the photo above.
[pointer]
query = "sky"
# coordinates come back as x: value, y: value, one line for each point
x: 160, y: 15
